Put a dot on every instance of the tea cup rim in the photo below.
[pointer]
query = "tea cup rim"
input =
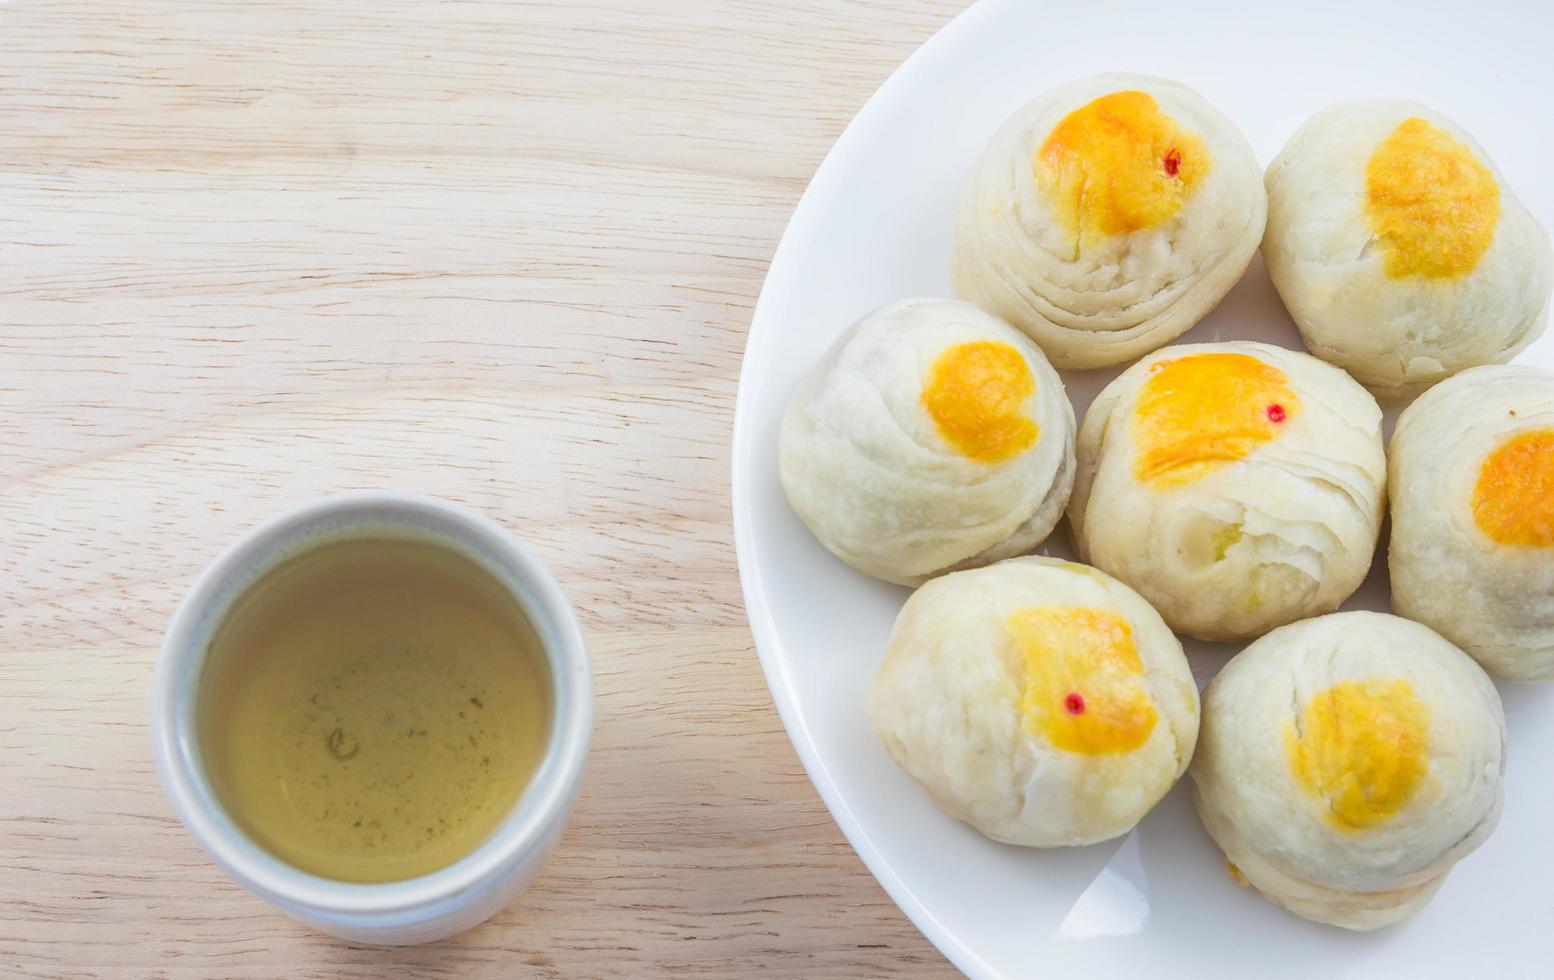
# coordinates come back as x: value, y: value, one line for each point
x: 545, y: 800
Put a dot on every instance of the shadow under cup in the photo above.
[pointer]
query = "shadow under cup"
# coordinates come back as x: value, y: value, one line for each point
x: 374, y: 712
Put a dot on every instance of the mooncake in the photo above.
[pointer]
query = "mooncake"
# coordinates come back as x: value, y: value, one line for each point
x: 1237, y: 486
x: 1399, y: 249
x: 1472, y: 549
x: 1347, y: 763
x: 932, y: 436
x: 1040, y: 701
x: 1108, y: 216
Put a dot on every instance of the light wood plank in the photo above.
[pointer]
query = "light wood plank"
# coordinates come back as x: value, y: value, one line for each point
x: 501, y: 252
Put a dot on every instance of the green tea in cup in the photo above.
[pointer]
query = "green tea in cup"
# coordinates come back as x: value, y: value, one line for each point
x: 372, y: 709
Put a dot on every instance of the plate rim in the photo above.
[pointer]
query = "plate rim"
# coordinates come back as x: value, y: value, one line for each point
x: 803, y: 224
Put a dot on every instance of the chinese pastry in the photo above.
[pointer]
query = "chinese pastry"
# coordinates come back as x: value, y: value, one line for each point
x: 1040, y: 701
x: 1108, y: 216
x: 1237, y: 486
x: 931, y: 437
x: 1472, y: 551
x: 1398, y: 248
x: 1347, y: 763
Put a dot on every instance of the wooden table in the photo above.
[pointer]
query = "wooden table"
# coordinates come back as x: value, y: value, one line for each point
x: 505, y: 253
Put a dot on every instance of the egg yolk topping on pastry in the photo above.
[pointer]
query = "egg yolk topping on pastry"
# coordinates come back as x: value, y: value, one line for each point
x: 1118, y: 165
x: 976, y: 394
x: 1363, y: 747
x: 1513, y: 501
x: 1084, y: 688
x: 1432, y: 205
x: 1197, y: 413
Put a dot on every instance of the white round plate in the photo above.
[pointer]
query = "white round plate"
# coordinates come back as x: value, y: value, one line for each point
x: 876, y: 225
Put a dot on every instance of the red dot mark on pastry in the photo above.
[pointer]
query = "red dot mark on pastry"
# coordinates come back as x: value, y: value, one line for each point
x: 1173, y: 162
x: 1074, y: 704
x: 1276, y: 414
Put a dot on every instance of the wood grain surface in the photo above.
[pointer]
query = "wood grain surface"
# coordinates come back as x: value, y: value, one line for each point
x: 506, y: 253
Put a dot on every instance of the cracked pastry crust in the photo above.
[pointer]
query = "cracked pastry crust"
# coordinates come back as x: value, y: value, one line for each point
x: 1472, y: 549
x: 1237, y: 486
x: 1398, y: 248
x: 1107, y: 217
x: 1043, y: 702
x: 1347, y: 763
x: 930, y: 437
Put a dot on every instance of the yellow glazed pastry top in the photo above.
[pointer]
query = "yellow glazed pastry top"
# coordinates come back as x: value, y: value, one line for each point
x: 1363, y: 746
x: 1513, y: 500
x: 1197, y: 413
x: 976, y: 394
x: 1117, y: 165
x: 1432, y: 205
x: 1083, y: 679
